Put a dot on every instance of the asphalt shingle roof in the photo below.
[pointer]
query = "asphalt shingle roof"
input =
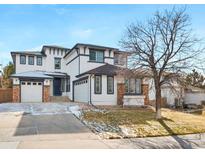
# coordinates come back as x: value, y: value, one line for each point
x: 32, y: 74
x: 37, y: 53
x: 112, y: 70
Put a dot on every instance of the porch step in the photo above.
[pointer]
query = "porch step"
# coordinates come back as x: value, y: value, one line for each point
x: 59, y: 99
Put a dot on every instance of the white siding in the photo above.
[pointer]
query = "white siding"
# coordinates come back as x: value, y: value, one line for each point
x: 85, y: 65
x: 26, y: 67
x: 51, y: 88
x: 133, y: 100
x: 194, y: 98
x: 170, y: 95
x: 104, y: 98
x: 47, y: 63
x: 72, y: 70
x: 167, y: 92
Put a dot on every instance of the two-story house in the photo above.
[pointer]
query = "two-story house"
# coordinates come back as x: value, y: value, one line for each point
x: 85, y: 73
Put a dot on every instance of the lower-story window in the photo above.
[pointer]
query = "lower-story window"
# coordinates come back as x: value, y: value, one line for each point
x: 68, y: 85
x: 133, y: 86
x: 98, y: 85
x: 110, y: 84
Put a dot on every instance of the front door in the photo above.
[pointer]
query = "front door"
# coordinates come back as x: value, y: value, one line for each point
x: 57, y: 87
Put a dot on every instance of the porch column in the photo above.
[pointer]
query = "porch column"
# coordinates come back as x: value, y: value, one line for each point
x: 145, y: 92
x: 16, y: 90
x: 120, y: 93
x: 46, y: 90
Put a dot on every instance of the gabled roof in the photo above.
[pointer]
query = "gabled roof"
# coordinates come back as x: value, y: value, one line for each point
x: 39, y: 74
x: 36, y: 53
x: 191, y: 88
x: 106, y: 69
x: 31, y: 74
x: 39, y: 53
x: 112, y: 70
x: 56, y: 46
x: 96, y: 47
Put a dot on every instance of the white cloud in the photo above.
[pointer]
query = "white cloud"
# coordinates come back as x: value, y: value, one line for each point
x: 82, y: 33
x: 63, y: 11
x: 37, y: 48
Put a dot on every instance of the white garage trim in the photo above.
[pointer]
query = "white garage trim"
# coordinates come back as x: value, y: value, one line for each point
x: 31, y: 91
x: 81, y: 90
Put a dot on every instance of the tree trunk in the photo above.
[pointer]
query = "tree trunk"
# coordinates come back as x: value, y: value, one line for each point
x: 158, y: 102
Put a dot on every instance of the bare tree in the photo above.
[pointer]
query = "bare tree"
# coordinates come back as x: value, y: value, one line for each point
x: 163, y: 44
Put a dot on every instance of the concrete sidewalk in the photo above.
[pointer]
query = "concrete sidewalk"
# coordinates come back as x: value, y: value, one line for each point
x: 80, y: 141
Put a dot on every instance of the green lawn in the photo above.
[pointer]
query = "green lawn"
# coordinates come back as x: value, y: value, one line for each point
x: 143, y: 123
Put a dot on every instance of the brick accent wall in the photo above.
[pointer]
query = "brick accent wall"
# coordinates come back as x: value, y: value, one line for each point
x: 120, y: 93
x: 145, y: 91
x: 46, y: 93
x: 16, y: 93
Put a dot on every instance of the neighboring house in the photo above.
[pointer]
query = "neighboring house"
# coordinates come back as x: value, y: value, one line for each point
x: 175, y: 94
x: 1, y: 74
x: 85, y: 73
x: 172, y: 93
x: 194, y: 95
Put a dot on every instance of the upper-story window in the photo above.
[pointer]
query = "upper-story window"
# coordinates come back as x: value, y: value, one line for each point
x: 96, y: 56
x: 31, y: 60
x: 119, y: 59
x: 22, y: 59
x: 57, y: 63
x: 39, y: 61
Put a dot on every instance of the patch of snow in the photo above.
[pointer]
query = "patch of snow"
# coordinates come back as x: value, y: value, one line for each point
x: 35, y: 108
x: 75, y: 110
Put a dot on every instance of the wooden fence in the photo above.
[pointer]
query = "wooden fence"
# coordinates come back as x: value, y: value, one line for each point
x: 5, y: 95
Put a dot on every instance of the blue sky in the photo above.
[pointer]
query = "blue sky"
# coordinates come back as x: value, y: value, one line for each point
x: 28, y: 27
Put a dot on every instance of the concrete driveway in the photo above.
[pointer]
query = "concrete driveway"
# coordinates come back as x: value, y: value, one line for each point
x: 43, y: 126
x: 53, y: 126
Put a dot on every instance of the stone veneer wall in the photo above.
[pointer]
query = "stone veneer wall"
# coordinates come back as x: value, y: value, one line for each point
x: 145, y: 92
x: 120, y: 93
x: 46, y: 93
x: 16, y: 93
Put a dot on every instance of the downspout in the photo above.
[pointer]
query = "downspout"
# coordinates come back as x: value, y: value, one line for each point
x: 91, y: 94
